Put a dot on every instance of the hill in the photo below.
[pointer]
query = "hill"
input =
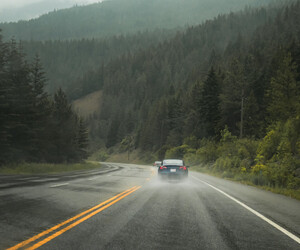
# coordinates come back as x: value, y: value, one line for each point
x: 88, y: 105
x: 225, y: 95
x: 67, y: 61
x: 115, y: 17
x: 144, y: 92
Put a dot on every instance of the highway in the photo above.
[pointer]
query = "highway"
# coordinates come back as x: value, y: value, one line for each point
x: 125, y: 206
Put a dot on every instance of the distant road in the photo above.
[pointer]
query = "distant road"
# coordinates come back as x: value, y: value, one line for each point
x: 125, y: 206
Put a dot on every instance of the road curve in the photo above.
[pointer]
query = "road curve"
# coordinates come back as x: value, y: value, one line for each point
x: 125, y: 206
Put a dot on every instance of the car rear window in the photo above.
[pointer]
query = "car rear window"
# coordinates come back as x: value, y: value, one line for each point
x: 173, y: 162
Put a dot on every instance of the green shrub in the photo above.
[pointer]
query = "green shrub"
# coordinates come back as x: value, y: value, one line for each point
x: 177, y: 152
x: 192, y: 142
x: 226, y: 163
x: 268, y: 146
x: 207, y: 152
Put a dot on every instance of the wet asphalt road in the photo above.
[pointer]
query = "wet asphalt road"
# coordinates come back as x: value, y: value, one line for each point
x: 203, y: 212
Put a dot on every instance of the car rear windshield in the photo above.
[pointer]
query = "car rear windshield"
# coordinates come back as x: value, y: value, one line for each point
x: 173, y: 162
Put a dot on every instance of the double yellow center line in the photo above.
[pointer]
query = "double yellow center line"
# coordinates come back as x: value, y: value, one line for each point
x: 90, y: 212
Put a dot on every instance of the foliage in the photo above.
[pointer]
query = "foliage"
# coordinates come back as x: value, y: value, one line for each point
x: 278, y: 155
x: 239, y: 71
x: 100, y: 155
x: 69, y: 64
x: 191, y: 85
x: 284, y: 91
x: 35, y: 127
x: 207, y: 152
x: 177, y: 152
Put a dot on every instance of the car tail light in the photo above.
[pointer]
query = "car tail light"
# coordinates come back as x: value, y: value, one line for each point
x: 182, y: 167
x: 162, y: 167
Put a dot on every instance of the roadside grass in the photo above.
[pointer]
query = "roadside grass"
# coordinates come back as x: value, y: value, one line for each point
x: 247, y: 179
x: 46, y: 168
x: 117, y: 155
x: 133, y: 158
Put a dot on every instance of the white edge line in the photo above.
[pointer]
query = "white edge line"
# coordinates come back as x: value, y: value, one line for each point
x: 289, y: 234
x: 58, y: 185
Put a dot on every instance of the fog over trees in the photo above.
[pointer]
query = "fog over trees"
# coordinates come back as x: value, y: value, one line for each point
x: 115, y: 17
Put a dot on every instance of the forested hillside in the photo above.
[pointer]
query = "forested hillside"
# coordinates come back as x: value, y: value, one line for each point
x: 196, y: 94
x: 114, y: 17
x: 134, y: 83
x: 65, y: 62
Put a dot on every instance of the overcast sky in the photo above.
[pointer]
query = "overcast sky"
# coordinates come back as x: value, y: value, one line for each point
x: 21, y: 3
x: 14, y: 10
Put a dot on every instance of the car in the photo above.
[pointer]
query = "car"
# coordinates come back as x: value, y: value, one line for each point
x: 157, y: 164
x: 173, y: 169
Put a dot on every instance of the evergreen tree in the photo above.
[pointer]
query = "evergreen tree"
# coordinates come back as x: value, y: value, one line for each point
x: 193, y: 122
x: 233, y: 94
x: 68, y: 133
x: 42, y: 111
x: 20, y: 102
x: 112, y: 137
x: 284, y: 91
x: 82, y: 139
x: 175, y: 120
x: 32, y: 127
x: 4, y: 105
x: 210, y: 104
x: 253, y: 124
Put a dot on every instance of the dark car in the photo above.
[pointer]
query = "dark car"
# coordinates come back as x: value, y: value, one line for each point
x: 173, y: 169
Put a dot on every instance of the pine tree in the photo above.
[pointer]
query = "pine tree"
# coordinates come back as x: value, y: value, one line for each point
x: 210, y: 104
x: 64, y: 129
x: 20, y: 104
x: 42, y: 111
x: 4, y: 105
x: 82, y: 139
x: 284, y: 91
x: 112, y: 137
x: 233, y: 95
x: 252, y: 122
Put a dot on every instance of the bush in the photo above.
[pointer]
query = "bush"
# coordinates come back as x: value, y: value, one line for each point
x: 100, y: 155
x: 177, y: 152
x: 207, y: 153
x: 268, y: 147
x: 226, y: 163
x: 278, y: 152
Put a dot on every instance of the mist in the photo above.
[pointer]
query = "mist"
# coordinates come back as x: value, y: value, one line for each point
x: 12, y: 11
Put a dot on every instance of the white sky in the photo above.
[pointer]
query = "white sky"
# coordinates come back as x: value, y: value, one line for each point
x: 14, y: 10
x: 9, y: 4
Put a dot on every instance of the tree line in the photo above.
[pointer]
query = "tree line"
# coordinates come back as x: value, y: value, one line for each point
x: 35, y: 127
x: 116, y: 17
x: 67, y: 62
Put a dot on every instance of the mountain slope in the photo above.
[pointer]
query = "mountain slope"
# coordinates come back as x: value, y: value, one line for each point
x: 67, y: 61
x: 150, y: 93
x: 114, y: 17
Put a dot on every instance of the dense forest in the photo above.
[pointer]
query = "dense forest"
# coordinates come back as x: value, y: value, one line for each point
x: 115, y: 17
x: 65, y: 62
x: 35, y: 127
x: 243, y: 46
x: 225, y: 92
